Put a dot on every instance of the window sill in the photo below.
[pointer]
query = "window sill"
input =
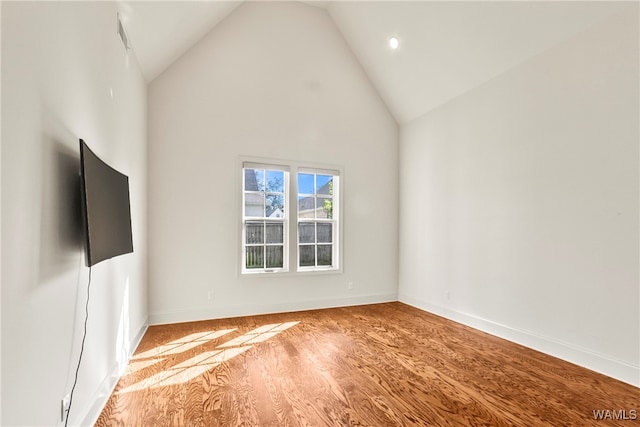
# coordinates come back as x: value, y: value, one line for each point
x: 295, y: 273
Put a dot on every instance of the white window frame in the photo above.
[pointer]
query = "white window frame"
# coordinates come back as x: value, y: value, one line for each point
x: 291, y: 220
x: 334, y: 220
x: 253, y: 219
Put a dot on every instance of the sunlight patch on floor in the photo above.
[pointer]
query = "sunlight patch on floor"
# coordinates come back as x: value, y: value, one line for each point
x: 200, y: 363
x: 183, y: 344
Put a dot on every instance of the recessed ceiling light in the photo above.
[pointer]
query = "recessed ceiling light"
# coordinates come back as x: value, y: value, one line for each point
x: 394, y: 42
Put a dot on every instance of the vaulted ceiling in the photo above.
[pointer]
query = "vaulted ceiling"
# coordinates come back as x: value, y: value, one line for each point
x: 446, y: 48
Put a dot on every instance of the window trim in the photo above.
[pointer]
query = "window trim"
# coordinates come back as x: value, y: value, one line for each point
x: 291, y: 217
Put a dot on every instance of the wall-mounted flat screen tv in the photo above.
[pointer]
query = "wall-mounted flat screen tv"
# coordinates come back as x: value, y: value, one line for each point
x: 106, y: 208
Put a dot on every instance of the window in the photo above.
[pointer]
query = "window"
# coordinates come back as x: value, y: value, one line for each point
x: 316, y: 221
x: 270, y: 241
x: 264, y: 228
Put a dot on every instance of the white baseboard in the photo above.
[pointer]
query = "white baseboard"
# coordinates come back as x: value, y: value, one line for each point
x: 257, y: 309
x: 104, y: 391
x: 594, y: 361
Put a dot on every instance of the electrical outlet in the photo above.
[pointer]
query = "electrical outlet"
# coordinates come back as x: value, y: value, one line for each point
x: 211, y: 295
x: 64, y: 406
x: 350, y: 285
x: 448, y: 295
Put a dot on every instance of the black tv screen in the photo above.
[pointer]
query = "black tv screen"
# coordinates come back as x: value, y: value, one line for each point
x: 106, y: 209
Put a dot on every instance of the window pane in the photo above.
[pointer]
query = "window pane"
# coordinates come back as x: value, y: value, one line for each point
x: 255, y: 257
x: 306, y: 232
x: 325, y: 233
x: 324, y: 184
x: 305, y: 183
x: 307, y: 255
x: 275, y: 206
x: 275, y: 181
x: 275, y: 233
x: 254, y: 179
x: 324, y: 255
x: 306, y: 207
x: 254, y: 232
x: 324, y: 207
x: 254, y: 205
x: 275, y: 258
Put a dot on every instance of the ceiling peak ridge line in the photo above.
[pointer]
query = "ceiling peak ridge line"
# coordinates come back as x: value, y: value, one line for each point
x: 359, y: 61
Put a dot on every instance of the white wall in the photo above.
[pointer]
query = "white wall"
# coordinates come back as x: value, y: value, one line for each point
x: 60, y: 62
x: 519, y: 203
x: 272, y: 80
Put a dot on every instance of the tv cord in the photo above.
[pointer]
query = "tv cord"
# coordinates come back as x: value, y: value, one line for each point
x: 84, y: 336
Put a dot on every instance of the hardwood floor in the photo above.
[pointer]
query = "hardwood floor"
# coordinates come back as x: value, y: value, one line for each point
x: 375, y: 365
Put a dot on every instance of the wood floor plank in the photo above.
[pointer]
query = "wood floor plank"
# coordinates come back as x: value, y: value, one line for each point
x: 374, y: 365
